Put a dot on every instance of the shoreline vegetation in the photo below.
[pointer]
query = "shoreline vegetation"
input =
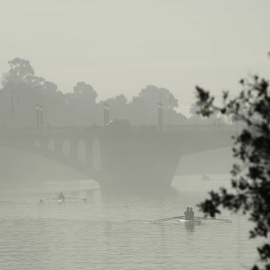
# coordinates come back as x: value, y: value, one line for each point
x: 24, y: 94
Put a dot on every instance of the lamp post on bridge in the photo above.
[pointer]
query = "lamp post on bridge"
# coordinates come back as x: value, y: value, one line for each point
x: 39, y: 109
x: 170, y: 112
x: 106, y: 114
x: 12, y: 114
x: 41, y: 118
x: 18, y: 112
x: 160, y: 117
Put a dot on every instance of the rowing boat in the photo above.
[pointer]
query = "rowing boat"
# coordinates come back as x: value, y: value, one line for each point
x: 205, y: 177
x: 192, y: 221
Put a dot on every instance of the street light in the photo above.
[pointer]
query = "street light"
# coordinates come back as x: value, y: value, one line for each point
x: 170, y: 112
x: 160, y: 116
x: 12, y: 115
x: 41, y: 118
x: 37, y: 108
x: 18, y: 112
x: 106, y: 114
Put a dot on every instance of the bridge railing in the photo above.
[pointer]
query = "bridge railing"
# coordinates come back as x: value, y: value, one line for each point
x: 169, y: 128
x: 174, y: 128
x: 143, y: 128
x: 32, y: 130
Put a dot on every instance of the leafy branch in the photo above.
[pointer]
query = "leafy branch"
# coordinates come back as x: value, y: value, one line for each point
x: 251, y: 175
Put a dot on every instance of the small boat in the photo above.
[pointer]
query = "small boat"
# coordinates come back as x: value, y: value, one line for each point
x: 205, y: 177
x: 61, y: 200
x: 191, y: 221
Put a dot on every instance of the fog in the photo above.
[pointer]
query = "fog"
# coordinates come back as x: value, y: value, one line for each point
x: 69, y: 159
x: 121, y: 47
x: 102, y: 148
x: 135, y: 145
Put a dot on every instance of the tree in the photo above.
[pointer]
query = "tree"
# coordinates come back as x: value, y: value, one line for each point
x: 81, y: 104
x: 118, y: 107
x: 143, y: 109
x: 194, y: 110
x: 251, y: 175
x: 85, y: 91
x: 20, y: 69
x: 117, y: 101
x: 22, y: 87
x: 150, y: 96
x: 213, y: 119
x: 21, y: 76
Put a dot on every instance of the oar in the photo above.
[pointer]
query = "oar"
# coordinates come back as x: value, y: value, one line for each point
x: 76, y: 199
x: 218, y: 219
x: 41, y: 200
x: 164, y: 219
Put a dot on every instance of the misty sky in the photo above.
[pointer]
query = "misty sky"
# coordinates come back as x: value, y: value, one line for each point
x: 121, y: 46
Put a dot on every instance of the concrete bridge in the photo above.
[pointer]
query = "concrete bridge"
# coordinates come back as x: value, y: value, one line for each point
x: 137, y: 158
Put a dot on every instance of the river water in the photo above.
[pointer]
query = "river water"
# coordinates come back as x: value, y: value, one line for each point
x: 112, y: 231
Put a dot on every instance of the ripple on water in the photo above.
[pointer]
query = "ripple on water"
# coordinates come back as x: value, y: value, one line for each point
x: 113, y: 232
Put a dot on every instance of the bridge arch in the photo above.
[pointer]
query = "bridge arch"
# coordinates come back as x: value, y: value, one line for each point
x: 81, y: 151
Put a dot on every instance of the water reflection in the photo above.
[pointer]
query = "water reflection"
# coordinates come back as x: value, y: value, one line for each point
x: 112, y: 231
x: 190, y: 226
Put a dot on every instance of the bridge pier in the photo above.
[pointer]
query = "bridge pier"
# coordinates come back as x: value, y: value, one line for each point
x: 89, y: 154
x: 73, y: 150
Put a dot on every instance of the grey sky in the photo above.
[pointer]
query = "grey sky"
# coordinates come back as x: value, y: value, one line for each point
x: 121, y: 46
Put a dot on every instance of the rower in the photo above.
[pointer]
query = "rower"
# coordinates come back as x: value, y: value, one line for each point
x: 191, y: 214
x: 187, y: 214
x: 61, y: 196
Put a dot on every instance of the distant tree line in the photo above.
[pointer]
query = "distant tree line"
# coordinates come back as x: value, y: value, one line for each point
x: 22, y: 90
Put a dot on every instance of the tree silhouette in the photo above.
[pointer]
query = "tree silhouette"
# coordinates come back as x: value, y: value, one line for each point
x: 150, y: 96
x: 194, y: 110
x: 22, y: 90
x: 85, y: 91
x: 251, y: 175
x: 20, y: 69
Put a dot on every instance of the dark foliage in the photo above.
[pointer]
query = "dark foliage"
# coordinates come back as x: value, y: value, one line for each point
x: 251, y: 175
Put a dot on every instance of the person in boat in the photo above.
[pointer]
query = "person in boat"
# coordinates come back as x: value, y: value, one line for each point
x: 191, y: 214
x: 205, y: 177
x: 187, y: 214
x: 61, y: 196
